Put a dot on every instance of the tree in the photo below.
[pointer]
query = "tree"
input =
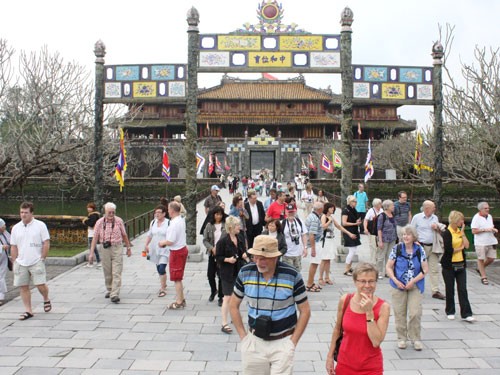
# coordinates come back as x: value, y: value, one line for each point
x: 46, y: 120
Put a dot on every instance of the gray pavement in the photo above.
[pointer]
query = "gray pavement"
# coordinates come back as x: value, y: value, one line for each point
x: 86, y: 334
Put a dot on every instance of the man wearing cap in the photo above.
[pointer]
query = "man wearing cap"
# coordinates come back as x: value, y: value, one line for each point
x: 213, y: 199
x: 257, y: 217
x: 295, y: 233
x: 277, y: 209
x: 314, y: 231
x: 274, y: 291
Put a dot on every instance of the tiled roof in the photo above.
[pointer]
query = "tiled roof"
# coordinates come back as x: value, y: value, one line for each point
x: 235, y: 119
x: 236, y: 89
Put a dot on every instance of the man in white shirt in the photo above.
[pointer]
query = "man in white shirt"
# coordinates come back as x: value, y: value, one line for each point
x: 30, y: 242
x: 295, y: 233
x: 256, y: 217
x: 485, y: 241
x: 176, y: 240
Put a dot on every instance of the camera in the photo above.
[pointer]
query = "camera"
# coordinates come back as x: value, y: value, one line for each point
x: 295, y: 240
x: 106, y: 244
x: 262, y: 326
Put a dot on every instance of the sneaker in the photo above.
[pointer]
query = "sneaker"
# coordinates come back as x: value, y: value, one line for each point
x: 89, y: 265
x: 402, y: 344
x: 380, y: 277
x: 417, y: 345
x: 469, y: 319
x: 451, y: 317
x: 98, y: 265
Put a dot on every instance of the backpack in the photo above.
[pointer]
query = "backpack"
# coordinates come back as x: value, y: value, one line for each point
x: 399, y: 252
x: 373, y: 224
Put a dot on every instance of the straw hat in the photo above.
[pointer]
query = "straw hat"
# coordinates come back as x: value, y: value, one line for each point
x: 265, y: 246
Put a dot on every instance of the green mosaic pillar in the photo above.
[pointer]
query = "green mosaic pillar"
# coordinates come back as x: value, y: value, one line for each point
x: 346, y: 106
x: 100, y: 52
x: 190, y: 145
x: 437, y: 88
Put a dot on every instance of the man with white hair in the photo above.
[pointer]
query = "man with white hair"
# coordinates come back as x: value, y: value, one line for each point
x: 314, y: 232
x: 109, y: 235
x: 426, y: 223
x: 485, y: 241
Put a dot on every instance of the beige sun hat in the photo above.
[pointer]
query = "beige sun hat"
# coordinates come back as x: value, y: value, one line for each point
x: 265, y: 246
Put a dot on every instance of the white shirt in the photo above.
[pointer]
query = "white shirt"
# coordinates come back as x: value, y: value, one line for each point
x: 483, y: 238
x: 423, y: 225
x: 307, y: 197
x: 157, y: 234
x: 299, y: 228
x: 176, y: 233
x: 217, y: 233
x: 29, y: 240
x: 372, y: 212
x: 255, y: 213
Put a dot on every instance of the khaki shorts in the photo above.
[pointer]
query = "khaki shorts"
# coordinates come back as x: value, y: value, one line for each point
x: 36, y: 273
x: 484, y: 252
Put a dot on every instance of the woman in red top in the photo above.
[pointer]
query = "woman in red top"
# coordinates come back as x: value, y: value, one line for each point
x: 364, y: 324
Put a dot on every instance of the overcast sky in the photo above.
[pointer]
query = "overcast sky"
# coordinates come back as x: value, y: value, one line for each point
x: 396, y: 32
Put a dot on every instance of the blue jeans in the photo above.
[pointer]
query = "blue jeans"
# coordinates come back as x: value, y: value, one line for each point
x: 96, y: 252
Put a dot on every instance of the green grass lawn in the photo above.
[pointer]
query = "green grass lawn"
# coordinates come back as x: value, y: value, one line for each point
x: 65, y: 250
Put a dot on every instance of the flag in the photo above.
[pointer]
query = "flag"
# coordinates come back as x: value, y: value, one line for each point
x: 200, y: 163
x: 311, y: 162
x: 418, y: 165
x: 326, y: 165
x: 337, y: 162
x: 121, y: 166
x: 304, y: 168
x: 269, y: 77
x: 218, y: 164
x: 226, y: 165
x: 369, y: 162
x: 359, y: 128
x: 165, y: 169
x: 210, y: 164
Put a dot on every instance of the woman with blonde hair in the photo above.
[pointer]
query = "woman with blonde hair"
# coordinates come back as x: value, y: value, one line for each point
x: 453, y: 267
x: 307, y: 197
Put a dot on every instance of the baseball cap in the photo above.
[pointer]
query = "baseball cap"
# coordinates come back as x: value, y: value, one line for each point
x: 290, y: 208
x: 215, y: 187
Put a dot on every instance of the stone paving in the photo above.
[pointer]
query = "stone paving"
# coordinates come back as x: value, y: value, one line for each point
x: 86, y: 334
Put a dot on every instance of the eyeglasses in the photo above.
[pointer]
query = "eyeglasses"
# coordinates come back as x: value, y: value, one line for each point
x: 369, y: 282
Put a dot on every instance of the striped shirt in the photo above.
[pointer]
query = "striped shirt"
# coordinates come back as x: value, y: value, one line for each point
x: 313, y: 225
x: 275, y: 298
x: 112, y: 230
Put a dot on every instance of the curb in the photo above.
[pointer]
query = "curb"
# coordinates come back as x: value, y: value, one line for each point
x: 64, y: 261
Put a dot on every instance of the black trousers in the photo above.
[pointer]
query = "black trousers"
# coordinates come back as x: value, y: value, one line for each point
x: 213, y: 271
x: 451, y: 276
x: 252, y: 232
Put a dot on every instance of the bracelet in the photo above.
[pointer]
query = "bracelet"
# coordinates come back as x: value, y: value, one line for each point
x: 370, y: 320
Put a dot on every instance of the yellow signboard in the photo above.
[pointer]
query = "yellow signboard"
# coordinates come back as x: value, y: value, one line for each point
x: 301, y: 43
x: 238, y: 42
x: 393, y: 91
x: 270, y: 59
x: 144, y: 89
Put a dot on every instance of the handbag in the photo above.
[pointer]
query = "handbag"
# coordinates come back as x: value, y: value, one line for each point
x: 9, y: 262
x: 339, y: 339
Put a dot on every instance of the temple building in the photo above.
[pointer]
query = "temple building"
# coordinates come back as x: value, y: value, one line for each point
x: 283, y: 126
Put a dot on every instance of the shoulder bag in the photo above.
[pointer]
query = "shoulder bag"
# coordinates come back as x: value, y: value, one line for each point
x: 341, y: 335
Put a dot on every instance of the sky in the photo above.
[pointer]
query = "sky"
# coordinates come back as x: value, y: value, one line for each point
x: 391, y: 32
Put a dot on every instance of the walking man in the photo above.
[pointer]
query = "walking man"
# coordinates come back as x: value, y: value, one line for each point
x: 256, y: 219
x: 176, y: 240
x: 275, y: 291
x: 402, y: 213
x: 314, y: 232
x: 361, y: 204
x: 30, y: 243
x: 485, y: 241
x: 295, y: 234
x: 109, y: 235
x: 426, y: 224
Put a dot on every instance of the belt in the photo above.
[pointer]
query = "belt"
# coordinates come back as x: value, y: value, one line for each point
x: 277, y: 337
x: 425, y: 244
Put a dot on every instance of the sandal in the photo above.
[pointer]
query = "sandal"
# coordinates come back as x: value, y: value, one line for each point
x: 162, y: 293
x: 348, y: 273
x: 484, y: 280
x: 176, y: 306
x: 226, y: 329
x: 26, y: 316
x: 329, y: 282
x: 313, y: 288
x: 47, y: 306
x: 321, y: 282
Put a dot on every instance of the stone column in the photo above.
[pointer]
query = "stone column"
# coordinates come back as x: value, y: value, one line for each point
x: 437, y: 89
x: 100, y: 52
x: 346, y: 106
x: 190, y: 145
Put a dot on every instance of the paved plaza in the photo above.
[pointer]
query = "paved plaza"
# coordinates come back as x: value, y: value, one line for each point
x: 87, y: 334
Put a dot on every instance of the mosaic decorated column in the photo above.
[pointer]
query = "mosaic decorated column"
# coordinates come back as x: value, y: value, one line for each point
x: 193, y: 18
x: 100, y: 52
x: 437, y: 82
x: 346, y: 106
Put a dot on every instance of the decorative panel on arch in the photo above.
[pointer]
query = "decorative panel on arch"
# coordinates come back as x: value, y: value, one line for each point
x: 402, y: 84
x: 148, y: 81
x: 269, y: 53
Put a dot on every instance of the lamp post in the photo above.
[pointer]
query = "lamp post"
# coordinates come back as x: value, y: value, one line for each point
x: 346, y: 106
x: 437, y: 89
x: 193, y: 18
x: 100, y: 52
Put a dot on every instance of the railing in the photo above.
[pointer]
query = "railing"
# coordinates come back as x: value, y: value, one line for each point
x: 139, y: 224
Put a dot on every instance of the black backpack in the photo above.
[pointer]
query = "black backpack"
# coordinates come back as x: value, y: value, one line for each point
x: 373, y: 224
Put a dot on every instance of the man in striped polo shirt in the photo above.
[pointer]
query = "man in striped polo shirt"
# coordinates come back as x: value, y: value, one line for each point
x: 274, y: 291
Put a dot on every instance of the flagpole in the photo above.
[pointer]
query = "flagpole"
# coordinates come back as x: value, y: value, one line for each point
x: 125, y: 202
